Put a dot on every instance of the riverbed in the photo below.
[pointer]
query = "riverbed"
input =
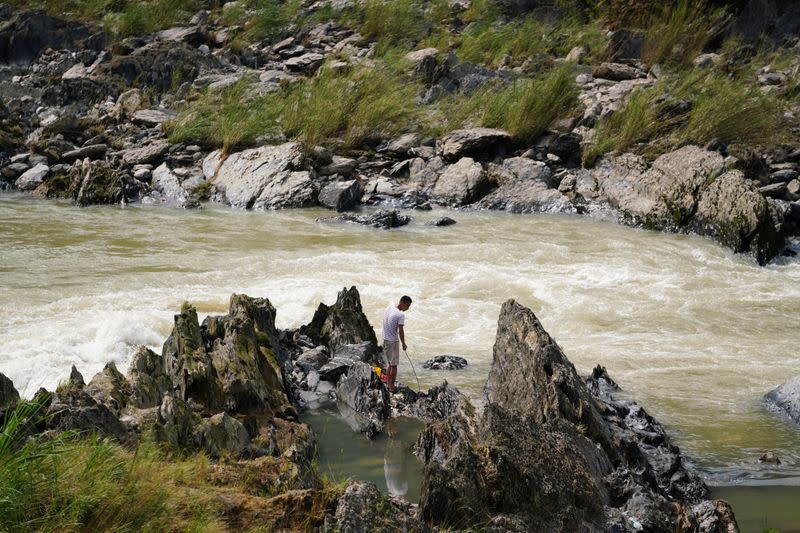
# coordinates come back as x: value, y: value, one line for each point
x: 693, y: 332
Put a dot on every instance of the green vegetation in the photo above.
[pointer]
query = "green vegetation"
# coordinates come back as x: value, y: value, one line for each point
x: 393, y: 23
x: 677, y: 33
x: 528, y: 107
x: 714, y: 107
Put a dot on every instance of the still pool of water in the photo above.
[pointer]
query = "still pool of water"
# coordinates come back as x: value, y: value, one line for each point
x: 693, y: 332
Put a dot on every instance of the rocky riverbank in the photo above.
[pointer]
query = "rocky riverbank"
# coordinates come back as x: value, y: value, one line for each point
x: 550, y: 452
x: 89, y: 119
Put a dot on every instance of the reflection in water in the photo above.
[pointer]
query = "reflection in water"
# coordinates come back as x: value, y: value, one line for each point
x: 395, y: 460
x: 387, y: 461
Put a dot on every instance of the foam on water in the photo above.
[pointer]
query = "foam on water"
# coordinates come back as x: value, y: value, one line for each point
x: 693, y: 332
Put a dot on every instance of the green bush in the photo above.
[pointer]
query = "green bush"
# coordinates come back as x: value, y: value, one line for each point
x: 231, y: 118
x: 677, y: 32
x: 528, y: 107
x: 350, y: 107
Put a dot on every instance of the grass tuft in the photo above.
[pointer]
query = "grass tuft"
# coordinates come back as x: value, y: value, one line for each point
x: 677, y: 32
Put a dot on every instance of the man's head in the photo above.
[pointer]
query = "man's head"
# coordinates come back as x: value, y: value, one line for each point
x: 405, y: 303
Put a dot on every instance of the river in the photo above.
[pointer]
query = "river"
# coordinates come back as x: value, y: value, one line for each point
x: 693, y: 332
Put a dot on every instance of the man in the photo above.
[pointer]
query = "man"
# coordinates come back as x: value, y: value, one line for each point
x: 393, y: 336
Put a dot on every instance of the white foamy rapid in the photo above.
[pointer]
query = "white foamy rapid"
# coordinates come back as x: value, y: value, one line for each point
x: 693, y: 332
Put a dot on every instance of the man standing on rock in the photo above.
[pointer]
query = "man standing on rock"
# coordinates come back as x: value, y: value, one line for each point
x: 393, y: 336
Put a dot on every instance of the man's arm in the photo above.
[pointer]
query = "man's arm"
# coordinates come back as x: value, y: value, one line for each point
x: 402, y: 333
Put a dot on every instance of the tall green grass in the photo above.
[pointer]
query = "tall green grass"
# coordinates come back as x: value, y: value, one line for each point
x: 393, y: 23
x: 677, y: 32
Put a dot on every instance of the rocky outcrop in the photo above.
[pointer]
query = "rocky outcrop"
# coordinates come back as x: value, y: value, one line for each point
x: 523, y: 185
x: 478, y: 143
x: 553, y: 452
x: 269, y: 177
x: 8, y: 394
x: 25, y: 35
x: 341, y: 323
x: 382, y: 219
x: 786, y: 399
x: 691, y: 190
x: 364, y: 392
x: 362, y: 507
x: 461, y: 183
x: 445, y: 362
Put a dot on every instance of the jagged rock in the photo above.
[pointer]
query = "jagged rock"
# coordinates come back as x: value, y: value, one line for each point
x: 445, y: 362
x: 148, y: 382
x: 243, y: 351
x: 268, y: 177
x: 769, y: 458
x: 96, y: 183
x: 363, y: 391
x: 365, y: 351
x: 187, y: 364
x: 530, y: 374
x: 362, y: 507
x: 222, y: 434
x: 110, y: 387
x: 176, y: 422
x: 75, y: 379
x: 382, y: 219
x: 32, y: 178
x: 786, y: 398
x: 8, y: 394
x: 690, y: 190
x: 476, y: 143
x: 341, y: 195
x: 335, y: 368
x: 313, y: 359
x: 342, y: 323
x: 461, y: 183
x: 439, y: 403
x: 192, y: 35
x: 72, y: 408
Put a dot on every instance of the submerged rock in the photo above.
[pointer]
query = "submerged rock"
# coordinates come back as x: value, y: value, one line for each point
x: 382, y: 219
x: 786, y: 399
x: 445, y: 362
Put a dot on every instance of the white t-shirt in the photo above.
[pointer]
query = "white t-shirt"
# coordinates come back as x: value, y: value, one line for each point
x: 392, y: 318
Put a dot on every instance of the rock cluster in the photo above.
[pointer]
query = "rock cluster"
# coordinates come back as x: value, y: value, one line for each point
x: 98, y: 136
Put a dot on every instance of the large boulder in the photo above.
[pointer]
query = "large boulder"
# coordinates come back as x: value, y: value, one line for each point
x: 110, y: 387
x: 363, y: 391
x: 786, y: 398
x: 689, y: 190
x: 268, y: 177
x: 478, y: 143
x: 363, y: 507
x: 99, y: 183
x: 222, y: 434
x: 25, y: 35
x: 461, y: 183
x: 341, y: 323
x: 524, y: 186
x: 147, y: 381
x: 32, y: 178
x: 341, y: 195
x: 73, y: 409
x: 8, y: 394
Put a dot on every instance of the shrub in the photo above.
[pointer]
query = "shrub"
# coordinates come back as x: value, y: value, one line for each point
x: 231, y: 118
x: 678, y: 32
x: 366, y: 102
x: 528, y: 107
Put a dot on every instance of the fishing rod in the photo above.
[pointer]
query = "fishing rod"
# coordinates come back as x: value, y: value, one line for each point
x: 419, y: 389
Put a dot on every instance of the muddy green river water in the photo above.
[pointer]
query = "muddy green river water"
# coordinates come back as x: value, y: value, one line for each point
x: 694, y: 333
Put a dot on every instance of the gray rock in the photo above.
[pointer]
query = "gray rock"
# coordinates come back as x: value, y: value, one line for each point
x: 363, y: 507
x: 441, y: 222
x: 523, y: 186
x: 221, y: 435
x: 366, y: 352
x: 8, y: 394
x: 783, y: 176
x: 461, y: 183
x: 153, y: 117
x: 364, y: 392
x: 340, y: 324
x: 338, y: 165
x: 149, y: 153
x: 314, y: 359
x: 176, y: 423
x: 475, y: 142
x: 382, y: 219
x: 774, y: 190
x: 167, y: 183
x: 15, y: 170
x: 73, y: 409
x: 268, y: 177
x: 110, y: 387
x: 92, y: 151
x: 148, y: 382
x: 192, y: 35
x: 335, y: 368
x: 689, y: 190
x: 306, y: 63
x: 401, y: 146
x: 786, y: 398
x: 616, y: 72
x: 341, y: 195
x: 32, y: 178
x: 445, y: 362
